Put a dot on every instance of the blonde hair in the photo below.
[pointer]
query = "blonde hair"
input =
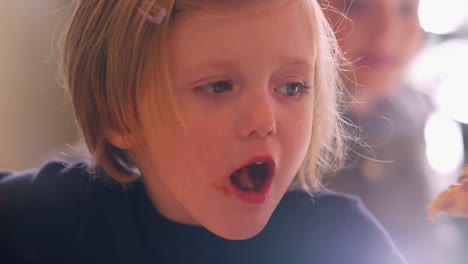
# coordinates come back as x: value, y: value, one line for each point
x: 109, y: 49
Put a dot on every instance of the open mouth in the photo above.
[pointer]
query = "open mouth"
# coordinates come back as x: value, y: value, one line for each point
x: 253, y: 177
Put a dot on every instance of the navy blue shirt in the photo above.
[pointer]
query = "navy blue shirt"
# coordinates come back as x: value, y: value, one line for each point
x: 63, y: 214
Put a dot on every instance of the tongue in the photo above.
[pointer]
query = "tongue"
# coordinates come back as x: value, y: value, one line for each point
x: 243, y: 180
x: 250, y: 178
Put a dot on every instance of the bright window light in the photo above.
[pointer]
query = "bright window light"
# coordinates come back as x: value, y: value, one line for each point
x: 444, y: 143
x: 442, y: 16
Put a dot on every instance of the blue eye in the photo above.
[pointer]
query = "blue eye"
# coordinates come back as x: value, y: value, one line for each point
x: 215, y: 87
x: 293, y: 89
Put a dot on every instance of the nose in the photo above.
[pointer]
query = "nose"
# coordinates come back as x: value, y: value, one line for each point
x: 384, y: 24
x: 257, y: 117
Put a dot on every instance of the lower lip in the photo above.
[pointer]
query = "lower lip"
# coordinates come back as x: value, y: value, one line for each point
x: 258, y: 197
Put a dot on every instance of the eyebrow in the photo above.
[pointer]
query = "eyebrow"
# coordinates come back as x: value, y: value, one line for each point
x: 229, y: 64
x: 298, y: 62
x: 209, y: 65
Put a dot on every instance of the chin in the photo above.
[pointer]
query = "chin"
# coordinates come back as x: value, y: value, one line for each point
x: 242, y: 233
x: 240, y: 230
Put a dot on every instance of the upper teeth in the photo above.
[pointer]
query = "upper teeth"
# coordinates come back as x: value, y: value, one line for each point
x: 258, y: 163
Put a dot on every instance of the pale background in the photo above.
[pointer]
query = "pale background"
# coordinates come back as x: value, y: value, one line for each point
x: 35, y: 115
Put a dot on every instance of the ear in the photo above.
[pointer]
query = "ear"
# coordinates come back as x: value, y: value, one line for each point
x: 119, y: 140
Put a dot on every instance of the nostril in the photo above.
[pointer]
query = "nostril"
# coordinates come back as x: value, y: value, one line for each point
x: 264, y: 129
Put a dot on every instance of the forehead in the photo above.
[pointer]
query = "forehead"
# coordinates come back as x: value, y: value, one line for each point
x: 279, y: 32
x: 226, y: 8
x: 342, y: 3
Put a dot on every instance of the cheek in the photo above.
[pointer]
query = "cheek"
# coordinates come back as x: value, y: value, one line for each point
x: 296, y: 154
x: 206, y: 133
x: 196, y: 147
x: 182, y: 162
x: 411, y: 41
x: 298, y: 134
x: 306, y: 133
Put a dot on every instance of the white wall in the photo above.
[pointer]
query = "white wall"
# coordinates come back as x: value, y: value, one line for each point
x: 35, y: 115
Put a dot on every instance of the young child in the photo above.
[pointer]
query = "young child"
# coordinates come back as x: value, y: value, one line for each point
x: 209, y: 123
x: 391, y: 174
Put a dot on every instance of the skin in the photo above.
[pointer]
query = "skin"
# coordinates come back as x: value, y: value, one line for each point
x: 238, y: 85
x: 381, y: 40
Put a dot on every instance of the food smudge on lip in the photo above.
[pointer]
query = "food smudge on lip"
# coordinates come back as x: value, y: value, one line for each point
x: 221, y: 188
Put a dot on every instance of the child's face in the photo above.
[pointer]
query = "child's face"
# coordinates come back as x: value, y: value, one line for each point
x: 383, y: 37
x: 238, y: 84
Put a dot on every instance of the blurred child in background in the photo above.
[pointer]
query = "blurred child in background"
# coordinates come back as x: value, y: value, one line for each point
x: 390, y: 172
